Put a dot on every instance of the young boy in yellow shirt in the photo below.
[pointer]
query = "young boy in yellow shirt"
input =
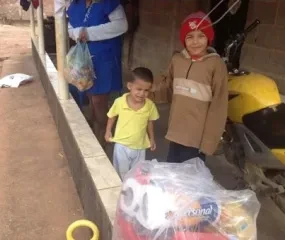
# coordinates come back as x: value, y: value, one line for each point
x: 134, y: 130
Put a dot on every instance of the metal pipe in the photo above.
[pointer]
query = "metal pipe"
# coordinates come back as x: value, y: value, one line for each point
x: 41, y: 40
x: 32, y: 21
x: 61, y: 50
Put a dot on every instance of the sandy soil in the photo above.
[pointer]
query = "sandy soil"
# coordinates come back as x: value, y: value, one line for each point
x: 38, y: 198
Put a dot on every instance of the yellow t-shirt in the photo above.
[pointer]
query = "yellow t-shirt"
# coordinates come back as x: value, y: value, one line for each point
x: 131, y: 129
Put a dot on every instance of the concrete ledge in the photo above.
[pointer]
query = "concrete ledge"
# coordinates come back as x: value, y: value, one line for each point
x: 97, y: 182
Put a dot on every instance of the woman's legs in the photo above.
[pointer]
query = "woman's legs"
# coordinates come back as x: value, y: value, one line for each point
x: 99, y: 110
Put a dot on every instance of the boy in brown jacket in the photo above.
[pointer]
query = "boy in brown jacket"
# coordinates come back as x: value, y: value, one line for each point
x: 197, y: 79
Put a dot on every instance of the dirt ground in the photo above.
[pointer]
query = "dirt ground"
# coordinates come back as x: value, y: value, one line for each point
x: 38, y: 198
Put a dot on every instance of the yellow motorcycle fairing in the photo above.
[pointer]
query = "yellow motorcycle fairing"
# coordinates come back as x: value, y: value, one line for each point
x: 250, y: 93
x: 279, y: 154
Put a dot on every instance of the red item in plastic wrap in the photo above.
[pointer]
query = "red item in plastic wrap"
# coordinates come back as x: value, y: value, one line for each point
x: 167, y: 201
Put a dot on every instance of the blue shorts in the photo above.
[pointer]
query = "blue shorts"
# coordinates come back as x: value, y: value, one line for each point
x: 108, y: 70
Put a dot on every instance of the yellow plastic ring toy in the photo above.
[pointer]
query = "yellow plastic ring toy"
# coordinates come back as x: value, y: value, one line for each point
x: 82, y: 223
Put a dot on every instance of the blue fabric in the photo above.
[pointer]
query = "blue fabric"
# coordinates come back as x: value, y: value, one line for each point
x: 106, y: 54
x: 108, y: 70
x: 25, y: 4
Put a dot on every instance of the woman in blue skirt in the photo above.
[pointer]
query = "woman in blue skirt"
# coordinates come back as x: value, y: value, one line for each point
x: 100, y: 23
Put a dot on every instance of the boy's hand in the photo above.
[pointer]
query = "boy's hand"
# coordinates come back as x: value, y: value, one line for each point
x: 108, y: 137
x: 152, y: 145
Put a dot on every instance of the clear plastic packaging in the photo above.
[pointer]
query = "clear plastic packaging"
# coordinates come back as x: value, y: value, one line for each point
x: 79, y: 69
x: 168, y: 201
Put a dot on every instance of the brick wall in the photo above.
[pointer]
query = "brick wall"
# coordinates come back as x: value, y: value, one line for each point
x: 48, y: 7
x: 157, y: 36
x: 265, y: 47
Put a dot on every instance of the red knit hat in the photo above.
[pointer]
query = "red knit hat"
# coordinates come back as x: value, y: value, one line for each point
x: 192, y: 21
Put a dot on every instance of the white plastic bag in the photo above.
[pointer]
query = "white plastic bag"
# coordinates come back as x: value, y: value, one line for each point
x: 79, y: 69
x: 15, y: 80
x: 169, y: 201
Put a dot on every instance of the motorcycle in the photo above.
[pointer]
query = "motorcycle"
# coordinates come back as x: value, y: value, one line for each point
x: 254, y: 137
